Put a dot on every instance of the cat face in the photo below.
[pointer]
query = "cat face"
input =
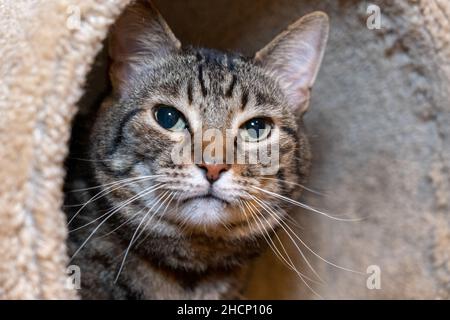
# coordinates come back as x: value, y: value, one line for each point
x: 212, y: 106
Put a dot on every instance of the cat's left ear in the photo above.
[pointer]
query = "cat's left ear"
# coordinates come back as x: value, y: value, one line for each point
x: 295, y: 55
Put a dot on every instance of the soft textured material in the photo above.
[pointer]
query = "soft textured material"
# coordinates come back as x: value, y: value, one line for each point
x: 44, y: 59
x: 379, y: 122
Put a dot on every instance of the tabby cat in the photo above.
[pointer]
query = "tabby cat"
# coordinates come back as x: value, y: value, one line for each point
x: 152, y: 228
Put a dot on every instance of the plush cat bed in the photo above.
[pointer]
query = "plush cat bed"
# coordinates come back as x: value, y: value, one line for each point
x: 379, y: 125
x: 44, y: 63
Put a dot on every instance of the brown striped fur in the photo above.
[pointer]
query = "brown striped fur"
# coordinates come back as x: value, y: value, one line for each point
x: 187, y: 251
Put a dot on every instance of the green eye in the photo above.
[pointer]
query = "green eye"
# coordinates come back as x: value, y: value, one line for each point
x: 256, y: 129
x: 170, y: 118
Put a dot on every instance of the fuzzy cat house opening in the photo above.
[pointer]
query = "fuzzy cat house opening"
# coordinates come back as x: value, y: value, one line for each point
x: 377, y: 119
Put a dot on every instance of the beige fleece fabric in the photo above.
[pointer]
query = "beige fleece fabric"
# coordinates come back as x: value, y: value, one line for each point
x: 379, y: 126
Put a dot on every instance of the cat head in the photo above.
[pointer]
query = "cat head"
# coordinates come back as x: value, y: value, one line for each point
x: 168, y: 97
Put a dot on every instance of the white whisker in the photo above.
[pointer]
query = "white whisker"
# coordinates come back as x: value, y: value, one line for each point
x: 107, y: 191
x: 299, y: 274
x: 134, y: 235
x: 280, y: 219
x: 320, y: 257
x: 144, y: 192
x: 284, y: 224
x: 304, y: 206
x: 114, y: 183
x: 170, y: 198
x: 296, y: 184
x: 121, y: 205
x: 287, y: 254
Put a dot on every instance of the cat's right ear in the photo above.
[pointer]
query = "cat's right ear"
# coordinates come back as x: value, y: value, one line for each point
x: 140, y: 34
x: 295, y: 55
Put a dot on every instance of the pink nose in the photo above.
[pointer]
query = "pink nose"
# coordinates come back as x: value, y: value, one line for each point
x: 213, y: 171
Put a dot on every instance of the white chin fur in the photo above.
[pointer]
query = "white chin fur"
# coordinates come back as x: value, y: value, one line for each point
x: 206, y: 212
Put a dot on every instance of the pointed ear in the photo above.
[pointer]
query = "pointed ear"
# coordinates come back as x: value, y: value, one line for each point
x: 294, y: 57
x: 139, y: 35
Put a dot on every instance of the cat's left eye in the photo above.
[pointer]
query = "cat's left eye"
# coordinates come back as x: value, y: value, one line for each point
x: 170, y: 118
x: 256, y: 129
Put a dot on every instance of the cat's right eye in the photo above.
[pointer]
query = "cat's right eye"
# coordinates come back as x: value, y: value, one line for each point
x: 170, y: 118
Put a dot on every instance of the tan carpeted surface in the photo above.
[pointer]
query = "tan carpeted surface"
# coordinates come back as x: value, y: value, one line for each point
x: 42, y: 70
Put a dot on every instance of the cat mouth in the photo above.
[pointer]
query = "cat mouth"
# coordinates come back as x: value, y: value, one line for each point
x: 206, y: 197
